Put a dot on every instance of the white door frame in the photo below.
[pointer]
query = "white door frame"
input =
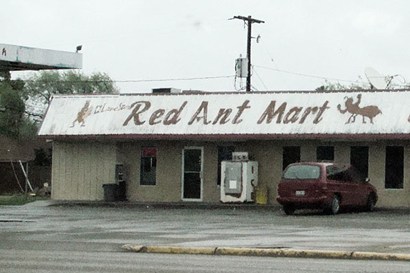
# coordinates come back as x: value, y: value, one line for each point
x: 200, y: 174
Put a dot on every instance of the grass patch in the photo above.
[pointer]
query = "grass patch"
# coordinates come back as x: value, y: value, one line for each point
x: 18, y: 200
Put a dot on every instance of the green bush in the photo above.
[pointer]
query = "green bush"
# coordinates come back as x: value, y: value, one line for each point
x: 17, y: 200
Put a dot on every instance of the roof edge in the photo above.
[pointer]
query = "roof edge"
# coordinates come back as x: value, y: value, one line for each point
x: 230, y: 137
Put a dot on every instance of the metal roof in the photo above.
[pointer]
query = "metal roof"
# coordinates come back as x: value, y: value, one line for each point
x: 258, y: 115
x: 13, y: 57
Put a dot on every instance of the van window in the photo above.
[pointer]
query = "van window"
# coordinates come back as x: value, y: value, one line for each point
x: 302, y: 172
x: 338, y: 173
x: 343, y: 173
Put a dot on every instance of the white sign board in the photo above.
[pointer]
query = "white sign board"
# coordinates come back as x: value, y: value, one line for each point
x: 222, y: 114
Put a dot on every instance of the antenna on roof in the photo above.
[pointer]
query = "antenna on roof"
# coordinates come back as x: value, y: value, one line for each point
x: 376, y: 80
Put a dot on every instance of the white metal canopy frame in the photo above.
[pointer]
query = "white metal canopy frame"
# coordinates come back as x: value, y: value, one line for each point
x: 13, y: 58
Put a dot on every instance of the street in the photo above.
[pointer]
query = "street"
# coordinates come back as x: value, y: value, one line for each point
x: 42, y: 238
x: 108, y: 262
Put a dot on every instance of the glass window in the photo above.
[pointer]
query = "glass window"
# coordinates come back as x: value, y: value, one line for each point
x: 290, y: 154
x: 339, y: 173
x: 302, y: 172
x: 148, y: 166
x: 394, y: 167
x: 325, y: 153
x: 359, y: 158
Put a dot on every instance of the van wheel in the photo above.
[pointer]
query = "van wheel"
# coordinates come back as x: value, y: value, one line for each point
x: 334, y: 206
x: 371, y: 202
x: 289, y: 210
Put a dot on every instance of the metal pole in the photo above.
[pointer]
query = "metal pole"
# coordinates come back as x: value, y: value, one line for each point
x: 249, y: 20
x: 248, y: 55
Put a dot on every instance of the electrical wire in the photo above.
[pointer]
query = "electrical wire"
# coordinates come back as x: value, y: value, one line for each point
x: 178, y: 79
x: 253, y: 88
x: 260, y: 79
x: 147, y: 80
x: 306, y: 75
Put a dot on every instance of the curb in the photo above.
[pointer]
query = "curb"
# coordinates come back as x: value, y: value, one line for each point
x: 167, y: 205
x: 267, y: 252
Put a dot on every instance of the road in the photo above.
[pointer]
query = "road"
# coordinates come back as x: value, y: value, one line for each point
x: 42, y: 238
x: 109, y: 262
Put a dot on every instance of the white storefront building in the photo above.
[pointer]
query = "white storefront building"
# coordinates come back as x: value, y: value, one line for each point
x: 169, y: 147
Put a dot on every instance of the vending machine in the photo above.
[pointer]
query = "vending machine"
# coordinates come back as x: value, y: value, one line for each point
x: 239, y: 177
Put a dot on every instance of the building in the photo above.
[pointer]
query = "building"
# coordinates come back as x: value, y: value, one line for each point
x: 169, y: 147
x: 16, y: 155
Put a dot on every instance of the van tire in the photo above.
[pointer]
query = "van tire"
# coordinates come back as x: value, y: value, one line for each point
x: 289, y: 209
x: 371, y: 202
x: 334, y: 206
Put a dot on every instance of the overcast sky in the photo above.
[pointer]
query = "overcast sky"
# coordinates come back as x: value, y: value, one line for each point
x: 302, y: 42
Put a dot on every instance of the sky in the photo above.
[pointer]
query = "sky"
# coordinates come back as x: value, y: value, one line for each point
x: 192, y: 44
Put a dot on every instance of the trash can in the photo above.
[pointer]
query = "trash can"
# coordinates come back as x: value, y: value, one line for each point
x: 110, y: 192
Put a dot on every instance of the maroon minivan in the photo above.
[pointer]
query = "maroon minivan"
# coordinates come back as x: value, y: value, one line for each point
x: 323, y: 185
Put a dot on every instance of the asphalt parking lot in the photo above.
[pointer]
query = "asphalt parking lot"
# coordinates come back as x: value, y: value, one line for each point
x: 52, y: 225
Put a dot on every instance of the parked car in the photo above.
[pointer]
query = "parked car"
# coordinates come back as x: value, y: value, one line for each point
x: 323, y: 185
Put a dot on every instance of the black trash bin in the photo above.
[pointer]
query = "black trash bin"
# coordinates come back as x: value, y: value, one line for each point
x: 110, y: 192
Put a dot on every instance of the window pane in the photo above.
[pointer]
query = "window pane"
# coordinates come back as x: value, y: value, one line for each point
x: 302, y: 172
x: 191, y: 187
x: 339, y: 173
x: 394, y: 167
x: 290, y: 154
x: 359, y: 158
x: 148, y: 166
x: 192, y: 160
x: 325, y: 153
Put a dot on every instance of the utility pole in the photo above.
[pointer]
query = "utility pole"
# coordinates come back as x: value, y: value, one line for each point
x: 249, y: 20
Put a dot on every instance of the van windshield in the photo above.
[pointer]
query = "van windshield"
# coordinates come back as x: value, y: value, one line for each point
x: 302, y: 172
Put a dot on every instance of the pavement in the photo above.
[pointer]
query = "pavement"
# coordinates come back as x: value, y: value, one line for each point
x: 230, y: 229
x: 237, y: 251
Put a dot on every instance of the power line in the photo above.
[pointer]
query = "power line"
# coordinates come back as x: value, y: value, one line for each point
x: 147, y: 80
x: 178, y: 79
x: 260, y: 79
x: 305, y: 75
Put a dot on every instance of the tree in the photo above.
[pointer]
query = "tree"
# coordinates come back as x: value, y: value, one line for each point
x: 40, y: 87
x: 11, y: 110
x: 332, y: 86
